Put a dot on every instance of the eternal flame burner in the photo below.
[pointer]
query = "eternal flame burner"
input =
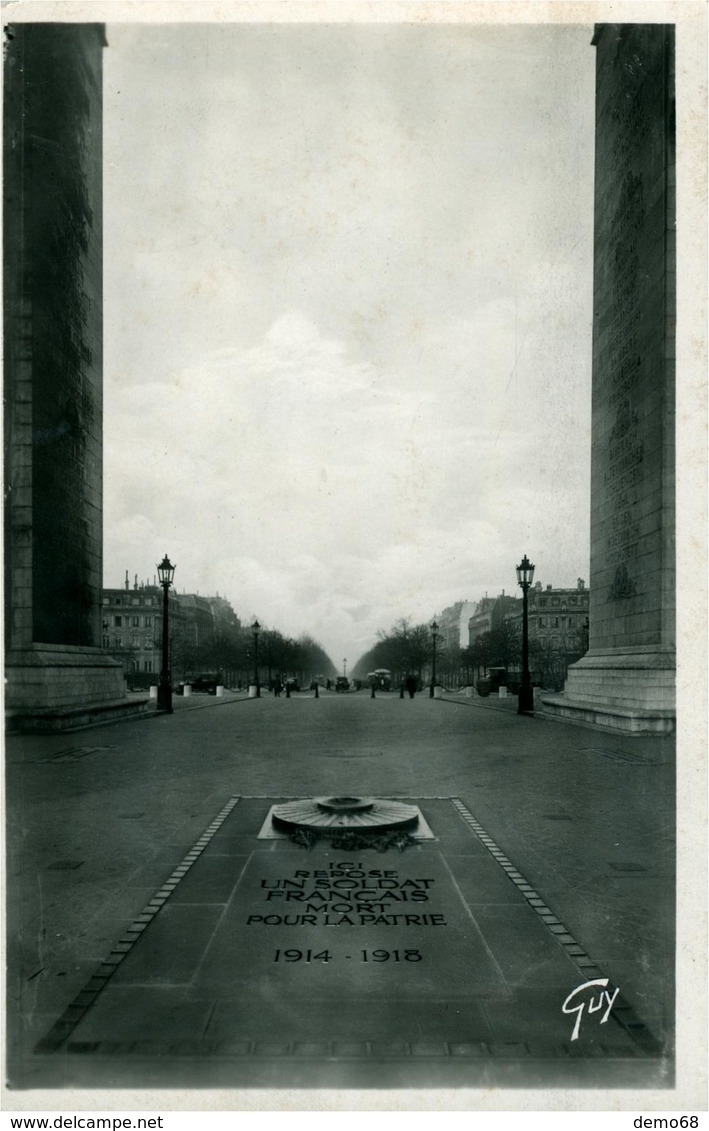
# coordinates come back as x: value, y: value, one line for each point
x: 366, y: 813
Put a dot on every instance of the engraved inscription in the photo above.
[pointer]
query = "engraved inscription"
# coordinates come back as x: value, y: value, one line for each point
x: 346, y: 894
x: 291, y: 954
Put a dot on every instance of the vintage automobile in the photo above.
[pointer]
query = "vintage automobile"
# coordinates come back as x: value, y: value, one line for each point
x: 380, y: 679
x: 206, y: 682
x: 492, y: 682
x: 342, y: 683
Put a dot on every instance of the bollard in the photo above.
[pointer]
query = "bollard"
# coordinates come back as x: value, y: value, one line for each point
x: 153, y: 690
x: 317, y: 691
x: 373, y: 696
x: 401, y: 691
x: 220, y: 690
x: 187, y: 690
x: 287, y: 691
x: 252, y: 691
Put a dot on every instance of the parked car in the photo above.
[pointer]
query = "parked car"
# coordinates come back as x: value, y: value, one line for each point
x: 206, y: 682
x: 291, y: 684
x: 493, y: 681
x: 342, y: 683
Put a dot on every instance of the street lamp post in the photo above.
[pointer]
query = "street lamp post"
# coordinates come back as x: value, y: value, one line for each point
x: 166, y: 572
x: 344, y: 667
x: 525, y: 700
x: 256, y: 628
x: 434, y: 636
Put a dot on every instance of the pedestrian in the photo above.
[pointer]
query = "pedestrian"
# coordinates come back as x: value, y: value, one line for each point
x: 411, y: 685
x: 277, y: 688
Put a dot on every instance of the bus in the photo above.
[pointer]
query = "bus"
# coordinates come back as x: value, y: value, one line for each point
x: 380, y: 679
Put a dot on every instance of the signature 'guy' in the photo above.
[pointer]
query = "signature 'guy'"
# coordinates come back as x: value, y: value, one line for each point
x: 574, y: 1005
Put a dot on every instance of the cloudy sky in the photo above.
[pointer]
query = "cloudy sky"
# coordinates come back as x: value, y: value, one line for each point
x: 347, y: 314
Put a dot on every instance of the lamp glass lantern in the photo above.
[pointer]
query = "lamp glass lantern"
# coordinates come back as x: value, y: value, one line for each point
x: 166, y: 571
x: 525, y: 573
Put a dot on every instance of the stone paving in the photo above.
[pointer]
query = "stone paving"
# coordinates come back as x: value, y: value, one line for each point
x: 135, y: 864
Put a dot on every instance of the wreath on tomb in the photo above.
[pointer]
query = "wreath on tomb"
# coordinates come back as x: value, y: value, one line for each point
x: 353, y: 840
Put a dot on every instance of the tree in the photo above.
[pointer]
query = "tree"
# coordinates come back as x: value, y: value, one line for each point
x: 506, y: 644
x: 313, y: 659
x: 551, y: 656
x: 547, y: 662
x: 403, y: 648
x: 468, y: 663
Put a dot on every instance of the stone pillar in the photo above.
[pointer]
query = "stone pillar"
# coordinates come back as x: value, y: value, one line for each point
x: 54, y: 370
x: 626, y: 681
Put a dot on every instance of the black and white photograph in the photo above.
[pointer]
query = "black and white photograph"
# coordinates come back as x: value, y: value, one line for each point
x: 355, y: 447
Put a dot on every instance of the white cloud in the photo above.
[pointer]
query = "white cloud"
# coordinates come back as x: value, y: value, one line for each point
x: 347, y: 326
x: 321, y: 493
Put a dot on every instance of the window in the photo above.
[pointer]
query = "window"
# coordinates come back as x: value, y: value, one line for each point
x: 135, y: 600
x: 118, y: 641
x: 556, y: 622
x: 148, y: 622
x: 135, y: 621
x: 541, y: 622
x: 118, y: 622
x: 106, y: 642
x: 543, y: 601
x: 135, y: 641
x: 119, y: 600
x: 148, y: 643
x: 147, y: 665
x: 555, y: 601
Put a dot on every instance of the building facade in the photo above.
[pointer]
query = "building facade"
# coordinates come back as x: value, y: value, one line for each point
x: 132, y: 631
x: 558, y: 630
x: 556, y: 617
x: 489, y: 614
x: 453, y: 627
